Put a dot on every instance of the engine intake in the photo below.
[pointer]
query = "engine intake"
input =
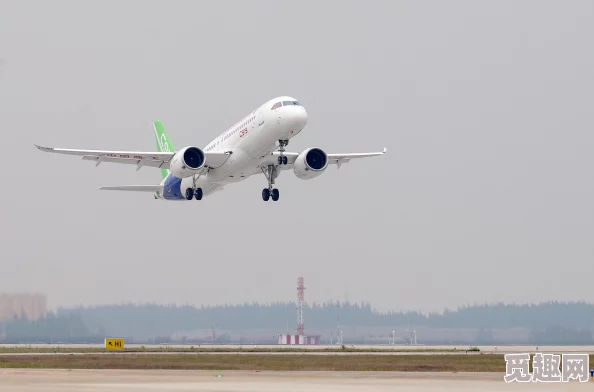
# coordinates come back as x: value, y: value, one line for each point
x: 193, y: 158
x: 310, y: 163
x: 187, y: 161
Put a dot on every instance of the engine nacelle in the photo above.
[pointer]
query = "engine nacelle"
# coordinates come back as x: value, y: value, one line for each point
x: 187, y: 161
x: 310, y: 163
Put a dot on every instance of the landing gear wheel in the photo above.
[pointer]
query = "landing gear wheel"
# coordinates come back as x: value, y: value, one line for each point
x: 280, y: 160
x: 271, y: 172
x: 198, y: 194
x: 285, y: 160
x: 189, y: 193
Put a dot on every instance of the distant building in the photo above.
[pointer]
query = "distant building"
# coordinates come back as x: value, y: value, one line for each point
x: 31, y: 306
x: 298, y: 339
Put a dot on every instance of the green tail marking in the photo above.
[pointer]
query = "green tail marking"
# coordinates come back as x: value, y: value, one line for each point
x: 163, y: 142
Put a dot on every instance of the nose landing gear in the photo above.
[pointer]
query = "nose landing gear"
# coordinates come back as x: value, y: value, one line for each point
x: 282, y: 160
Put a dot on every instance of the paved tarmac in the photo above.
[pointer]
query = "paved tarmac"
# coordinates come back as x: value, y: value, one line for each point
x: 304, y: 353
x: 459, y: 348
x: 27, y: 380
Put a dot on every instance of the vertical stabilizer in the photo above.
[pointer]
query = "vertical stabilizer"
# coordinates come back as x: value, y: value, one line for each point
x: 163, y: 142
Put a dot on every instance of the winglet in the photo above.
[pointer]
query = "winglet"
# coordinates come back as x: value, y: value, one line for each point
x: 385, y: 150
x: 46, y: 149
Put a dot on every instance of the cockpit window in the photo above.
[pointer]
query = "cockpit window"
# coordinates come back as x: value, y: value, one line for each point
x: 276, y: 106
x: 289, y: 103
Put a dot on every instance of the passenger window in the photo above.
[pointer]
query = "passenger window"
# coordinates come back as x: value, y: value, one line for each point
x: 276, y: 106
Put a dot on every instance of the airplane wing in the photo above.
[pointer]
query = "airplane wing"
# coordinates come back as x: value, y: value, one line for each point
x: 160, y: 160
x: 334, y: 158
x: 337, y: 159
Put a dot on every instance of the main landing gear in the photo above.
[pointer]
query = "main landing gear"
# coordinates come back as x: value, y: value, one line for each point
x: 194, y: 191
x: 271, y: 173
x: 282, y: 160
x: 267, y: 194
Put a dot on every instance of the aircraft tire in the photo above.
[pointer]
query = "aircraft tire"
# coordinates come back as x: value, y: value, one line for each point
x: 198, y: 194
x: 189, y: 193
x: 275, y: 194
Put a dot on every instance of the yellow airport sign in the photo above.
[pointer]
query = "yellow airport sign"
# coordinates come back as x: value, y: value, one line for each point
x: 114, y: 344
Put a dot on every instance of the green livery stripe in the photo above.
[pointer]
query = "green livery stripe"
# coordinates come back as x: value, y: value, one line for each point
x: 163, y: 142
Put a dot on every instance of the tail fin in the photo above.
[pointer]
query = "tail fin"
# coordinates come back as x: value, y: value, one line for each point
x: 163, y: 142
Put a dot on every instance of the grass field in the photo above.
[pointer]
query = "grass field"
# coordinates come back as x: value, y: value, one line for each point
x: 414, y: 363
x: 260, y: 362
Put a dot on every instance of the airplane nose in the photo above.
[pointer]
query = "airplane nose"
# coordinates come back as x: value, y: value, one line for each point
x: 294, y: 118
x: 301, y: 116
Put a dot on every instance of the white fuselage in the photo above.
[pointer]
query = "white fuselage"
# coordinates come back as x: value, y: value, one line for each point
x: 250, y: 142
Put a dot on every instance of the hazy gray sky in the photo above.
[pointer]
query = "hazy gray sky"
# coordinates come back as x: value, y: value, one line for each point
x: 486, y: 193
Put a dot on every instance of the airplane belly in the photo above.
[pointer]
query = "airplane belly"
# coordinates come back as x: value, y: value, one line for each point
x: 233, y: 169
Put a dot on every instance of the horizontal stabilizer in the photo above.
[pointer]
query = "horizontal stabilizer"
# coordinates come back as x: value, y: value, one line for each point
x: 132, y: 188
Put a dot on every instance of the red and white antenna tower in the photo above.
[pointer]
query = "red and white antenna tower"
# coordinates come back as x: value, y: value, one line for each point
x: 300, y: 305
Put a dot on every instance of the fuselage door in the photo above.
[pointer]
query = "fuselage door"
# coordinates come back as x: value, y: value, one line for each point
x: 260, y: 118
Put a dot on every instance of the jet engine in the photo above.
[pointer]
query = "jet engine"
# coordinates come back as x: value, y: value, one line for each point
x: 187, y: 162
x: 310, y: 163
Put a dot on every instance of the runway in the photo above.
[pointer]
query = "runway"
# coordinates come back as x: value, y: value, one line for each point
x: 27, y: 380
x: 276, y: 353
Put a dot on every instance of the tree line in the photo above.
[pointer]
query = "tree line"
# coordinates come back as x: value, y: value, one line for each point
x: 145, y: 320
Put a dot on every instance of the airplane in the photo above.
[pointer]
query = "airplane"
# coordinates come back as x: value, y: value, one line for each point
x: 254, y: 145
